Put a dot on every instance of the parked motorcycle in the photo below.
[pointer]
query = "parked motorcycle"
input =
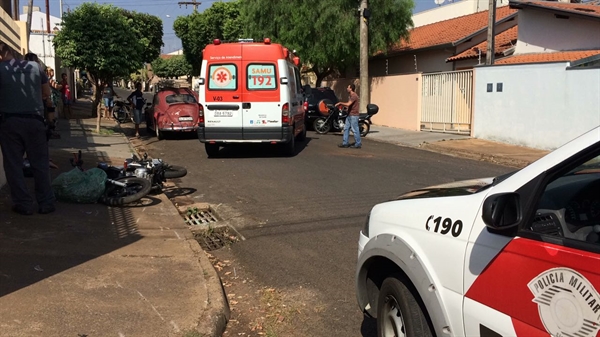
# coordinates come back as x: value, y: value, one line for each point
x: 122, y: 112
x: 120, y: 189
x: 154, y: 170
x: 335, y: 118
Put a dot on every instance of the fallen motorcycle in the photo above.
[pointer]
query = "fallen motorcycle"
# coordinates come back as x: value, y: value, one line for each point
x: 154, y: 170
x: 120, y: 189
x: 335, y: 118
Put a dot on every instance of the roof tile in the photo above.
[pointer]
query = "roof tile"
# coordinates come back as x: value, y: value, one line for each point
x: 449, y: 31
x: 586, y: 9
x: 559, y: 56
x: 505, y: 40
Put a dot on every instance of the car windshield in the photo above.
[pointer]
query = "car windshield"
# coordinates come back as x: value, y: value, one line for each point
x: 180, y: 98
x: 318, y: 95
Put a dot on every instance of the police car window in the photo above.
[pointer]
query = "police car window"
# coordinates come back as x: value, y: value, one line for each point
x: 222, y: 77
x: 261, y: 77
x: 569, y: 207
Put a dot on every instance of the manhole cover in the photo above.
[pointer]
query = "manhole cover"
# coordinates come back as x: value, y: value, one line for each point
x: 199, y: 217
x: 215, y: 238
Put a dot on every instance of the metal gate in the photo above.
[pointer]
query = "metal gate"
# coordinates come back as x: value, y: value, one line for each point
x: 447, y: 102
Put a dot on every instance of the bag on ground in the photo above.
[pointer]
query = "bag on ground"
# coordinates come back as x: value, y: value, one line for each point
x: 80, y: 187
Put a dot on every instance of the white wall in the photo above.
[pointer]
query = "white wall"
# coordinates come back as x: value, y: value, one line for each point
x: 541, y: 106
x: 42, y: 46
x: 540, y: 31
x: 452, y: 10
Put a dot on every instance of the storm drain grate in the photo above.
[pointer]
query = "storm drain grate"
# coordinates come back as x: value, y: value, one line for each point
x: 198, y: 218
x: 215, y: 238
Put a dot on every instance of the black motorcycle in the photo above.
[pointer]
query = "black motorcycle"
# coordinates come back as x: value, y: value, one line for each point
x: 336, y: 118
x: 120, y: 189
x: 154, y: 170
x: 122, y: 112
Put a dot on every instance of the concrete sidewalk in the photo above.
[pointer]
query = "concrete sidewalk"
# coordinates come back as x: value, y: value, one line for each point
x: 458, y: 145
x: 92, y: 270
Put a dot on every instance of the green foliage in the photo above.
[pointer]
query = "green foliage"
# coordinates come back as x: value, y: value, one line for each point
x: 175, y: 66
x: 325, y: 33
x: 149, y: 31
x: 220, y: 21
x: 99, y: 39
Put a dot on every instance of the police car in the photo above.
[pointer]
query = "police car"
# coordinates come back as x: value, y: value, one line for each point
x: 515, y: 255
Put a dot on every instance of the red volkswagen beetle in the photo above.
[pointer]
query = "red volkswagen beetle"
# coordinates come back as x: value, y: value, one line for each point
x: 172, y: 110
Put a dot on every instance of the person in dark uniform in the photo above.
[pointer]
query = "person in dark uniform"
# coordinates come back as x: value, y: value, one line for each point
x: 23, y: 90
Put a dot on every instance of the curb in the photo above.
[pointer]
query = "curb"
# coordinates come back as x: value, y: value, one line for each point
x: 217, y: 306
x: 500, y: 160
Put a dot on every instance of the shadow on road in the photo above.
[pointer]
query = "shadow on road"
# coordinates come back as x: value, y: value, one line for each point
x: 247, y: 151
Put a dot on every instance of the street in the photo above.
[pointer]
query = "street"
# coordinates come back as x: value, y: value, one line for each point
x: 301, y: 216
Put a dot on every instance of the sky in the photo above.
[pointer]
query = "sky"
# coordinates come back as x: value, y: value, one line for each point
x: 167, y: 10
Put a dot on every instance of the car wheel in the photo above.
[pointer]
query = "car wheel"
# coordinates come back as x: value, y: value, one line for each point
x: 148, y: 123
x: 159, y: 134
x: 212, y: 150
x: 399, y: 313
x: 302, y: 134
x: 290, y: 147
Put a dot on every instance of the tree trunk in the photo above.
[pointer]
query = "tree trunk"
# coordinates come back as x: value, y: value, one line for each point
x: 321, y: 75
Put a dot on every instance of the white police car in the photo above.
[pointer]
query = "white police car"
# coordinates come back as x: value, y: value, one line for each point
x: 517, y: 255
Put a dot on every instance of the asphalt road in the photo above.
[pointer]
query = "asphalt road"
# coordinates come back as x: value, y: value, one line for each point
x: 302, y: 215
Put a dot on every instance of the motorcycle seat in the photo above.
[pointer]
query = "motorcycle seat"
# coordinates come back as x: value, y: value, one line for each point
x: 363, y: 115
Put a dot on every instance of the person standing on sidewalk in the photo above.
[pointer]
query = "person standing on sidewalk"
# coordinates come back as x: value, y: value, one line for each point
x: 137, y: 101
x: 23, y: 90
x: 108, y: 95
x: 66, y: 96
x: 352, y: 119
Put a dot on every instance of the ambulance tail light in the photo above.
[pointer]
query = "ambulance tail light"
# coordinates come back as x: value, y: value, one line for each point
x: 285, y: 114
x: 305, y: 106
x: 216, y: 42
x: 200, y: 115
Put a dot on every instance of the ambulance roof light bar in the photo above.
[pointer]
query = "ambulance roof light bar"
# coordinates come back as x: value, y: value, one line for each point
x: 245, y: 40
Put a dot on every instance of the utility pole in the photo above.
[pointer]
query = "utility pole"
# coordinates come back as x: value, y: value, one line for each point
x: 193, y: 3
x: 29, y: 13
x: 491, y: 34
x: 47, y: 16
x: 60, y: 4
x: 365, y: 14
x: 15, y: 10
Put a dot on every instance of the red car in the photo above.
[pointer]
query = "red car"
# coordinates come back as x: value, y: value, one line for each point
x: 173, y: 110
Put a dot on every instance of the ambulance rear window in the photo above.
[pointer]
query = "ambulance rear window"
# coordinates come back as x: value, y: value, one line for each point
x: 261, y: 77
x: 222, y: 77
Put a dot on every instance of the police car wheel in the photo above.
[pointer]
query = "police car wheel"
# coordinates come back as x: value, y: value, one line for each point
x: 399, y: 314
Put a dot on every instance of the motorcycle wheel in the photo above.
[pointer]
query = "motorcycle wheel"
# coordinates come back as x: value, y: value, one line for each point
x: 136, y: 189
x: 321, y: 125
x: 364, y: 128
x: 173, y: 171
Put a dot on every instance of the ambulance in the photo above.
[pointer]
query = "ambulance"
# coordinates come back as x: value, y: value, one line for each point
x: 514, y: 255
x: 250, y: 92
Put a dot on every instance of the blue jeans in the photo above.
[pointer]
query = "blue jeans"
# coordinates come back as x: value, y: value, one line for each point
x: 351, y: 122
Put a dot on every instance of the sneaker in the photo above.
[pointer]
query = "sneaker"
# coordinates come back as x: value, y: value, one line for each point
x: 356, y: 146
x: 21, y: 210
x: 137, y: 135
x: 46, y: 209
x: 344, y: 145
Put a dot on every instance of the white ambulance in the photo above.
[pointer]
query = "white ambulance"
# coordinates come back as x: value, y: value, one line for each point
x: 250, y: 92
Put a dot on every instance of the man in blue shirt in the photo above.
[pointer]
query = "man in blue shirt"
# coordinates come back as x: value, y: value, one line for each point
x: 137, y: 101
x: 23, y: 90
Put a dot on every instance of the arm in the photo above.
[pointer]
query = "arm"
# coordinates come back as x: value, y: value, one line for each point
x: 45, y: 88
x: 350, y: 101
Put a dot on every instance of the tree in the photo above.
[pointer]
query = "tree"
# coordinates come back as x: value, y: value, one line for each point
x: 175, y: 66
x: 220, y: 21
x: 101, y: 40
x: 325, y: 33
x: 149, y: 30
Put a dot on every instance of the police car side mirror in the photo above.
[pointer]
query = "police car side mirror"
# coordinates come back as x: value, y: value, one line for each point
x: 502, y: 210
